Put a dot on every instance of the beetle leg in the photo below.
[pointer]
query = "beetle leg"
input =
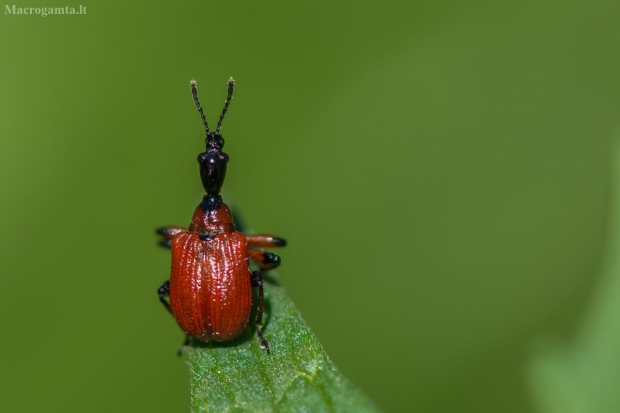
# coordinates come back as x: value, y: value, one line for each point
x: 166, y: 243
x: 257, y: 281
x: 266, y: 260
x: 266, y: 240
x: 164, y: 291
x: 186, y: 344
x: 168, y: 233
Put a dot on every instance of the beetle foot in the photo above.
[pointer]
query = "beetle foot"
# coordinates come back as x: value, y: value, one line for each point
x: 185, y: 346
x: 264, y: 344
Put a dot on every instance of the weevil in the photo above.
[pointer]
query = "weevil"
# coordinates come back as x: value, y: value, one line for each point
x: 210, y: 288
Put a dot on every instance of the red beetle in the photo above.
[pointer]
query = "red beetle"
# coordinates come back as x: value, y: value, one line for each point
x: 210, y: 287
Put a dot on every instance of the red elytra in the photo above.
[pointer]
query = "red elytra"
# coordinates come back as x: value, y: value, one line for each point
x: 210, y: 287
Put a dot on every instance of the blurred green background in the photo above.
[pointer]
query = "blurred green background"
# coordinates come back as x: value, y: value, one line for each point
x: 442, y: 171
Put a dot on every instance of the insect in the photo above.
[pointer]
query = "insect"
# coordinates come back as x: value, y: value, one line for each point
x: 210, y: 288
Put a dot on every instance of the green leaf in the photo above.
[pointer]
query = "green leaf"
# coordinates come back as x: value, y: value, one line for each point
x: 583, y: 374
x: 297, y: 376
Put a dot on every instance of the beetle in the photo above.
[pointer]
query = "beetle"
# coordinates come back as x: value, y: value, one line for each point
x: 210, y: 288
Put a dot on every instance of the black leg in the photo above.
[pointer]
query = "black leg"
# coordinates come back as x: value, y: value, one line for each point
x: 186, y: 344
x: 257, y: 281
x: 163, y: 292
x: 266, y: 260
x: 166, y: 243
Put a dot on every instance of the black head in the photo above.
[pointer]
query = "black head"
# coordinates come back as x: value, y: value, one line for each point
x: 213, y: 161
x: 213, y: 164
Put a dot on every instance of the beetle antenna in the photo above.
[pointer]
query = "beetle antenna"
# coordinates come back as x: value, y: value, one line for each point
x: 192, y: 84
x: 231, y: 88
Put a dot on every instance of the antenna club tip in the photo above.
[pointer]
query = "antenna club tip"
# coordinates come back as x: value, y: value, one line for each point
x: 231, y: 81
x: 192, y: 82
